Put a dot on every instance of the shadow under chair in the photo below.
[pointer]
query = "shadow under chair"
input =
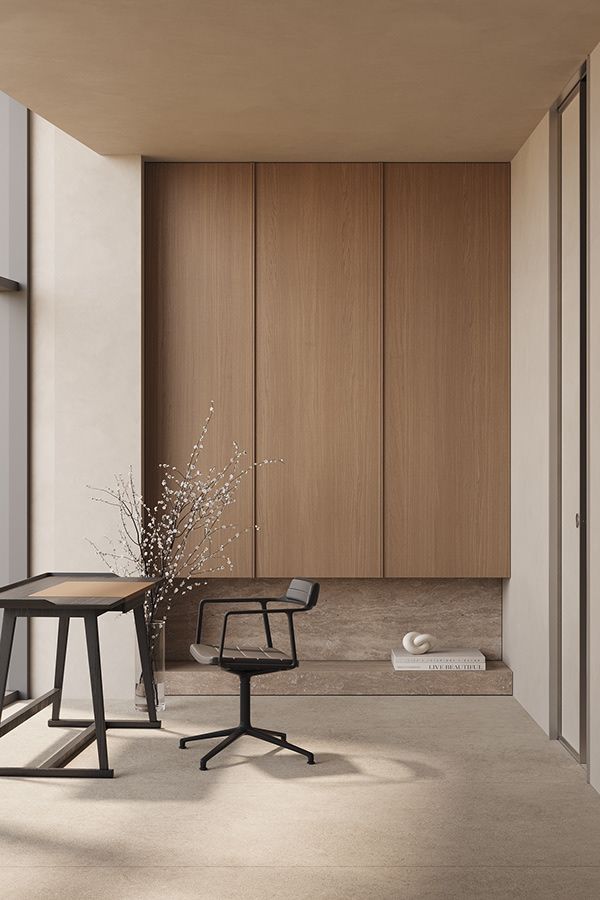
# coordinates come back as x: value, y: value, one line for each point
x: 246, y: 662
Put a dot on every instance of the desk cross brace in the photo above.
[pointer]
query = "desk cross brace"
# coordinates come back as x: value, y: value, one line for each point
x: 93, y: 729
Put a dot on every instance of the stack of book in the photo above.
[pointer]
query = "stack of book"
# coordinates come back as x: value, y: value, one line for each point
x: 438, y: 660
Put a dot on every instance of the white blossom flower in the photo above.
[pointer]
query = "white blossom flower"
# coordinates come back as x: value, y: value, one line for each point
x: 175, y: 539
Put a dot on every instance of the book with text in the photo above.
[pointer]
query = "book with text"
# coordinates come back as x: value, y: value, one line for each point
x: 439, y: 660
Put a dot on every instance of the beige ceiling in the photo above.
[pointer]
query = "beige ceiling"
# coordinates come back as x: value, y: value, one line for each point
x: 295, y: 79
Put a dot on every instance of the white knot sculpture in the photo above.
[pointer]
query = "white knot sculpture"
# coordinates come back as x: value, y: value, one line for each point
x: 418, y: 643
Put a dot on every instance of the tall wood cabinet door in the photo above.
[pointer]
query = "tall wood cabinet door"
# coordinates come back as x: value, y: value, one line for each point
x: 318, y: 369
x: 199, y: 324
x: 446, y: 371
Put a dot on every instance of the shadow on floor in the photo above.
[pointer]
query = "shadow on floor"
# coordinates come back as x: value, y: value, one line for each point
x: 150, y: 767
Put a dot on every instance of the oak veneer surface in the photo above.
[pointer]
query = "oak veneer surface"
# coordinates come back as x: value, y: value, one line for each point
x: 446, y: 371
x: 199, y: 322
x: 318, y: 368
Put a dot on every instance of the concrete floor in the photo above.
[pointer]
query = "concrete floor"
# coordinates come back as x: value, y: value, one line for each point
x: 412, y: 797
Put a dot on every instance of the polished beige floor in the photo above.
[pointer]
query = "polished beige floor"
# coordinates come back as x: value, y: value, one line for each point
x: 412, y: 797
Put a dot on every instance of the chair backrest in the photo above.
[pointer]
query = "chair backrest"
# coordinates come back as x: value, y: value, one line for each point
x: 300, y: 590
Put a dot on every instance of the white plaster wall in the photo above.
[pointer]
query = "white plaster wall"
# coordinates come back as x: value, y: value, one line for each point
x: 86, y: 377
x: 594, y: 418
x: 526, y: 594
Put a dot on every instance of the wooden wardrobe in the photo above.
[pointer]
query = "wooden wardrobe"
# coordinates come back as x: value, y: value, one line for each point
x: 352, y: 318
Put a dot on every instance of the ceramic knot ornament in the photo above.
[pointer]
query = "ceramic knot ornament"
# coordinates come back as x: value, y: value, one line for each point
x: 417, y: 643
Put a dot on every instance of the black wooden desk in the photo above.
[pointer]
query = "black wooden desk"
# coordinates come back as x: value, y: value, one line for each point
x: 64, y: 596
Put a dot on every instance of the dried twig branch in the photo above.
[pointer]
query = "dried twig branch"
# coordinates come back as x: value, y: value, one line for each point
x: 182, y: 537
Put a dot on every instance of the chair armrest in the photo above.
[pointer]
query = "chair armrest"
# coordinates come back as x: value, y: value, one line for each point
x: 289, y: 613
x: 220, y: 600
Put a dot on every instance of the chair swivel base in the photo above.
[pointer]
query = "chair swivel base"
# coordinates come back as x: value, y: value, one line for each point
x: 279, y: 738
x: 232, y: 734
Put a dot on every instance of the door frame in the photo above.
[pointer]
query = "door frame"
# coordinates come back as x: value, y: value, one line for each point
x: 14, y: 409
x: 577, y: 84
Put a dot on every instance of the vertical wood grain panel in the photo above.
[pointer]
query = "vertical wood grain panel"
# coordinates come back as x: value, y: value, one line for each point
x: 446, y: 374
x: 318, y: 284
x: 199, y: 322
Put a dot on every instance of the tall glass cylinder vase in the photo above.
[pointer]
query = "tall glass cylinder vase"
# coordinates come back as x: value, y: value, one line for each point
x: 156, y: 645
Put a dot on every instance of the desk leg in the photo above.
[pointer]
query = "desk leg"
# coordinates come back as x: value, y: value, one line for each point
x: 142, y: 639
x: 93, y: 650
x: 6, y: 642
x: 61, y: 654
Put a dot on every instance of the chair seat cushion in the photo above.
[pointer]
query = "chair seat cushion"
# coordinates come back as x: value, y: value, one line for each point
x: 208, y: 654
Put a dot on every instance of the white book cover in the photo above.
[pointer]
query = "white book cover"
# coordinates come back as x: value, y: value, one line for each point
x: 457, y: 667
x: 441, y: 667
x: 443, y: 660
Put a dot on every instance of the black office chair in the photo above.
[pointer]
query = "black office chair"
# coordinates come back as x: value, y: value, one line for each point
x: 245, y: 662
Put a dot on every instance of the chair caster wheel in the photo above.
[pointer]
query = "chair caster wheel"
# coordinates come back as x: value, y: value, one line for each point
x: 203, y: 767
x: 182, y: 745
x: 310, y: 762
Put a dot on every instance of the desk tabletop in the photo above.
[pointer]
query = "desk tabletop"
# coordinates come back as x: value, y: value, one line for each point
x: 76, y: 592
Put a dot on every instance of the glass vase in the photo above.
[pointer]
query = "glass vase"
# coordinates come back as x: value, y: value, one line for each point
x: 156, y: 645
